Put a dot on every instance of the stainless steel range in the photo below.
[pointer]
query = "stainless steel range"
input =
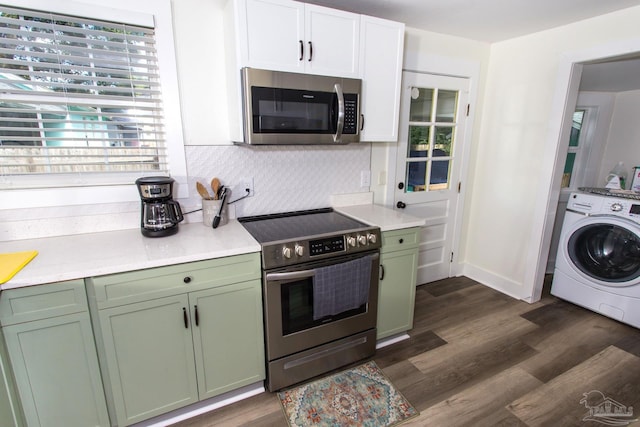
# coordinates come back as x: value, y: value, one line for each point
x: 320, y: 283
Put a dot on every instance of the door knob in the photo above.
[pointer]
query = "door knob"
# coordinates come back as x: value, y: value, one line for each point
x: 401, y: 205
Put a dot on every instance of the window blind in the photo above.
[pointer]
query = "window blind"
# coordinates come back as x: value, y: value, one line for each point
x: 79, y: 97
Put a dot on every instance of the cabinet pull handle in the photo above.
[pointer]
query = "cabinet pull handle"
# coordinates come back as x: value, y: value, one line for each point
x: 362, y: 121
x: 310, y: 51
x: 186, y: 319
x: 381, y: 272
x: 197, y: 317
x: 301, y: 50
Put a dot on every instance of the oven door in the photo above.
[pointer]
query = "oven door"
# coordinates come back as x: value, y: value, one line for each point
x: 289, y: 309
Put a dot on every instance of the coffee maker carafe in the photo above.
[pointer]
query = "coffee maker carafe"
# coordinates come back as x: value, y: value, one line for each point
x: 160, y: 213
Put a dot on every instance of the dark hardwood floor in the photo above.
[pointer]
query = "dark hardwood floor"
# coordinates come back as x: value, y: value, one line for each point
x: 477, y: 357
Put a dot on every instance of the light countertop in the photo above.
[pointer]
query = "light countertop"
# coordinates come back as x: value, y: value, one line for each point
x: 387, y: 219
x: 94, y: 254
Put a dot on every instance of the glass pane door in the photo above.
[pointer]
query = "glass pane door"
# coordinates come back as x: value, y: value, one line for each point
x: 431, y: 139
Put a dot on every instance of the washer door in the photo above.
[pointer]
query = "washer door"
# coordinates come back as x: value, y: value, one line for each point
x: 606, y: 250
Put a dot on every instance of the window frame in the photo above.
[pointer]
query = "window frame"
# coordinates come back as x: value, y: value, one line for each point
x: 156, y: 13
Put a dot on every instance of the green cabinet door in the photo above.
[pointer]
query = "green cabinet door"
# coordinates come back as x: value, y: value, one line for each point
x: 228, y: 338
x: 10, y: 410
x: 397, y: 285
x: 56, y: 370
x: 149, y: 357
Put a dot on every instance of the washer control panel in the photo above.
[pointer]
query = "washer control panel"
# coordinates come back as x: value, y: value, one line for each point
x: 592, y: 204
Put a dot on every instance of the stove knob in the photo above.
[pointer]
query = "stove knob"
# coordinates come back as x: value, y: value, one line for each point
x: 362, y: 240
x: 372, y: 238
x: 299, y: 250
x: 351, y: 241
x: 286, y: 252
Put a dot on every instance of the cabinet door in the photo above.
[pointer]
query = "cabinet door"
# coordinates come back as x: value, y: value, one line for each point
x: 56, y: 370
x: 332, y: 41
x: 381, y: 55
x: 397, y: 291
x: 271, y: 34
x: 228, y: 337
x: 149, y: 357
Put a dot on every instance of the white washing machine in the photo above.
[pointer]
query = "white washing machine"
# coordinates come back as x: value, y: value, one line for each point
x: 598, y: 260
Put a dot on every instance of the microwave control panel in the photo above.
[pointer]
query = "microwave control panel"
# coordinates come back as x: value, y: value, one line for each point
x: 350, y: 114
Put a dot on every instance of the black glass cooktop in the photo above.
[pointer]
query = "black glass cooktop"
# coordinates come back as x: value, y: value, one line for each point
x: 298, y: 225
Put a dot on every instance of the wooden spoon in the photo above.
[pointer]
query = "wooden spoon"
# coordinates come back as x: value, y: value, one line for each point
x: 215, y: 186
x: 202, y: 190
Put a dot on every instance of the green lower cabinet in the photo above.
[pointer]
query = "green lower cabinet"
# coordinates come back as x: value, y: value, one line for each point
x: 176, y: 335
x: 55, y: 366
x: 52, y: 355
x: 228, y: 339
x: 397, y: 285
x: 10, y: 409
x: 149, y: 355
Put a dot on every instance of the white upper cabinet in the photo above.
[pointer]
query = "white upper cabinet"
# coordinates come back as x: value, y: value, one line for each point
x: 289, y: 36
x: 332, y: 42
x: 286, y: 35
x: 270, y: 34
x: 381, y: 53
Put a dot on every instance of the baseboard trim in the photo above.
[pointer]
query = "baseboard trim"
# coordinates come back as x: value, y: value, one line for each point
x: 494, y: 281
x: 391, y: 340
x: 203, y: 407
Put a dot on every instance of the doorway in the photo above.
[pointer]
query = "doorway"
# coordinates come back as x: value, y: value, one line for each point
x: 433, y: 121
x: 575, y: 76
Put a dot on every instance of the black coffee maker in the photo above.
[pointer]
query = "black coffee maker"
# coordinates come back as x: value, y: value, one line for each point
x: 160, y: 213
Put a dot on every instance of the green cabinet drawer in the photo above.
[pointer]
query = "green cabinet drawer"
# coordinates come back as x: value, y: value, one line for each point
x: 396, y: 240
x: 42, y: 301
x: 143, y: 285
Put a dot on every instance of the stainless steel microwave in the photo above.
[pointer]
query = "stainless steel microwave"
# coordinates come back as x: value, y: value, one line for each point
x: 282, y: 108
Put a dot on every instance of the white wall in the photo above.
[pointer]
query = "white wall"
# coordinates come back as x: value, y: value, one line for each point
x: 285, y: 178
x: 623, y: 143
x: 509, y: 215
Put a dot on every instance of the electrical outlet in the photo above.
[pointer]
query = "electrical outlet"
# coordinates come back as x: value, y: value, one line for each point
x: 245, y: 183
x: 365, y: 178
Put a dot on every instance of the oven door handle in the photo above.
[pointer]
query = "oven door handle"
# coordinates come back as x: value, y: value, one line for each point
x: 302, y: 274
x: 291, y: 275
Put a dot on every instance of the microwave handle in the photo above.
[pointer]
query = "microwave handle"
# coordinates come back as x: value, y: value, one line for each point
x: 340, y: 125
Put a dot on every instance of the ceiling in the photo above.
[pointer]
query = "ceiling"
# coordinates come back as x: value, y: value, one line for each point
x: 483, y: 20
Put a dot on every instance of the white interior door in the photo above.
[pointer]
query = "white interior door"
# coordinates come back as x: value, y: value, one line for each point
x: 433, y: 117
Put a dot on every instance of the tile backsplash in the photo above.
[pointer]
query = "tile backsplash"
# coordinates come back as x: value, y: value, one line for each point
x: 285, y: 178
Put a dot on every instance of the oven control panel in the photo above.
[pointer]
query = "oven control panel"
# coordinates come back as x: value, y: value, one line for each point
x: 326, y: 246
x: 295, y: 252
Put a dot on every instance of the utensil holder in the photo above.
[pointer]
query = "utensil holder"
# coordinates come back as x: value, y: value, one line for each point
x: 210, y: 209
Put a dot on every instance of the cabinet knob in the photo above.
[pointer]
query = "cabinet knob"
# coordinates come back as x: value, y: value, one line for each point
x: 401, y: 241
x: 187, y: 279
x: 401, y: 205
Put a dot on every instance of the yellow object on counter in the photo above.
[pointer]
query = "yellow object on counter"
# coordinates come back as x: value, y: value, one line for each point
x: 11, y: 263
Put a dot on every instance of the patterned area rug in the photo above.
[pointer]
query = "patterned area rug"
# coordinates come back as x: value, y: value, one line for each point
x: 360, y: 396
